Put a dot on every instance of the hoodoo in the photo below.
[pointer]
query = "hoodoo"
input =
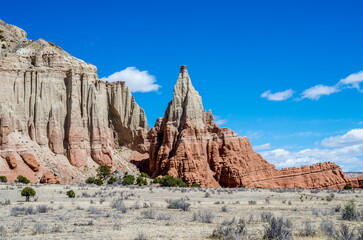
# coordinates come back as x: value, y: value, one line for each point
x: 186, y: 143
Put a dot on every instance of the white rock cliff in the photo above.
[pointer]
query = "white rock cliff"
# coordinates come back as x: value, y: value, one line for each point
x: 54, y: 108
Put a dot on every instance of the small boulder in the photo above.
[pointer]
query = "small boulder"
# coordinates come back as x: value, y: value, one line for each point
x: 31, y: 161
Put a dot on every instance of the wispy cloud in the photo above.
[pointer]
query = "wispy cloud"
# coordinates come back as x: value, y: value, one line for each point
x: 314, y: 93
x: 353, y: 137
x: 219, y: 121
x: 353, y: 80
x: 136, y: 80
x: 346, y: 150
x: 349, y: 158
x: 303, y: 134
x: 278, y: 96
x: 262, y: 147
x: 253, y: 134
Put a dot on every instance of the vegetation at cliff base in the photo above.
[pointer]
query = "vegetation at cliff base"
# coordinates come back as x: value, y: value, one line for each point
x: 3, y: 179
x: 22, y: 179
x: 144, y: 175
x: 103, y: 172
x: 111, y: 180
x: 141, y: 181
x: 128, y: 180
x: 170, y: 181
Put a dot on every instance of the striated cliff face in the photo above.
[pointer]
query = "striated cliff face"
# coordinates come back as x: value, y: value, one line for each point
x: 59, y: 122
x: 55, y: 111
x: 186, y: 143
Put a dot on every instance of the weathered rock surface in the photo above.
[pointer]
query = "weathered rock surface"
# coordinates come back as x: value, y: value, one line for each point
x: 58, y: 102
x: 59, y: 122
x: 11, y: 160
x: 49, y: 177
x: 31, y: 161
x: 356, y: 182
x: 186, y: 143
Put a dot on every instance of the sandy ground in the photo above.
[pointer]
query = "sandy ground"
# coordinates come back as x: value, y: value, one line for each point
x: 90, y: 215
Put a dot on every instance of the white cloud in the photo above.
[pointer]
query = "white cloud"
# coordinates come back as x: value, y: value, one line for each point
x: 219, y: 121
x: 347, y: 152
x: 136, y: 80
x: 262, y: 147
x: 349, y: 158
x: 353, y: 80
x: 278, y: 96
x: 353, y: 137
x: 317, y: 91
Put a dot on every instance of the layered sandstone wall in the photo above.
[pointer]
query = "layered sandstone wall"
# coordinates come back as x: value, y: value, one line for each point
x: 58, y: 102
x: 186, y: 143
x: 58, y: 122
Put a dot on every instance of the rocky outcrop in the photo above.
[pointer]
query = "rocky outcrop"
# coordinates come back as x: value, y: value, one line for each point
x: 11, y: 160
x: 186, y: 143
x: 31, y: 161
x: 49, y: 178
x: 356, y: 182
x: 57, y: 101
x: 59, y: 121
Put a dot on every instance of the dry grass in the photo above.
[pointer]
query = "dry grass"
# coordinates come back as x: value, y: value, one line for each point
x: 120, y: 212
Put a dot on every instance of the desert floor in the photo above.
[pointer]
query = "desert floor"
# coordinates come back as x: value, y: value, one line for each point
x: 144, y: 213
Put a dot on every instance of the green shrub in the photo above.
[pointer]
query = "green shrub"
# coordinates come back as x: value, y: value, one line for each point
x: 93, y: 180
x: 144, y: 175
x: 169, y: 181
x: 71, y: 194
x: 3, y: 179
x: 141, y: 181
x: 103, y: 171
x: 156, y: 180
x: 98, y: 182
x: 350, y: 211
x: 22, y: 179
x: 90, y: 180
x: 111, y: 180
x: 347, y: 187
x: 128, y: 180
x: 28, y: 192
x: 196, y: 185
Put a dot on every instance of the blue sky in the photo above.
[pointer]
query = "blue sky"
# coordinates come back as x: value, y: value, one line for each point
x: 235, y: 52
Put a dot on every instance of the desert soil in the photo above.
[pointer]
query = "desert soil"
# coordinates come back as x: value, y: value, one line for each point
x: 90, y: 215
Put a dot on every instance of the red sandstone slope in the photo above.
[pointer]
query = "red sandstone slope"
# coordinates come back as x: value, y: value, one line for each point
x: 186, y: 143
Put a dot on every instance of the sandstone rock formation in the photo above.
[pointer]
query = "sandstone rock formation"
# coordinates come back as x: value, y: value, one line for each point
x: 49, y: 177
x: 53, y: 105
x: 356, y: 182
x: 59, y: 122
x: 186, y: 143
